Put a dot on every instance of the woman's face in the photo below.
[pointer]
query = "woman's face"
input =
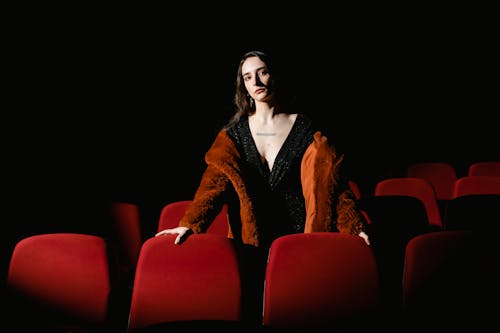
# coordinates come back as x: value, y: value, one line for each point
x: 256, y: 78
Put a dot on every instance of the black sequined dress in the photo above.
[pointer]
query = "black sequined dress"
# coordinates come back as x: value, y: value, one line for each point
x: 277, y: 196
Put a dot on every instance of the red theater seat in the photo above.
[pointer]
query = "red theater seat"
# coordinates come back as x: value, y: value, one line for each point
x: 174, y: 211
x: 127, y: 233
x: 197, y: 281
x: 413, y: 187
x: 65, y: 278
x: 320, y: 281
x: 475, y: 204
x: 484, y: 168
x: 441, y: 175
x: 473, y: 185
x: 445, y: 283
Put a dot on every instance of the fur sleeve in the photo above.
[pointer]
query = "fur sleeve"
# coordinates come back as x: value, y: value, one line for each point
x: 328, y: 203
x: 207, y: 202
x: 318, y: 176
x: 209, y: 196
x: 223, y: 175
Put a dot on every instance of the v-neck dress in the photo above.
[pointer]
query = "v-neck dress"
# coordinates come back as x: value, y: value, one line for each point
x: 277, y: 194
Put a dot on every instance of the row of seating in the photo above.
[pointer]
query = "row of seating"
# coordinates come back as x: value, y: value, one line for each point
x: 400, y: 209
x: 423, y: 183
x: 429, y: 198
x: 470, y: 195
x: 440, y: 213
x: 397, y: 214
x: 443, y: 175
x: 312, y: 281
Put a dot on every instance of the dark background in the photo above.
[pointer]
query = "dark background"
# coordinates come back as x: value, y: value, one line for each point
x: 103, y: 105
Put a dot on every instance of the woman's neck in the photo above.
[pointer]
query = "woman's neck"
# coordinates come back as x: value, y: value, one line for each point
x: 265, y: 113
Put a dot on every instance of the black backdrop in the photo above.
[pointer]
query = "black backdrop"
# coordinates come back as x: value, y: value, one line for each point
x: 103, y: 108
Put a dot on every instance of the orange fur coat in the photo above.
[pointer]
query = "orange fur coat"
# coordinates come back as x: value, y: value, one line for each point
x: 325, y: 203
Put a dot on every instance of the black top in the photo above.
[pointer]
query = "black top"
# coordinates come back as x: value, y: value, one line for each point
x: 276, y: 194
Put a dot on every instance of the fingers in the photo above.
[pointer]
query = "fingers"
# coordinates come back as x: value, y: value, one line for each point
x: 365, y: 237
x: 178, y: 239
x: 170, y: 231
x: 182, y: 237
x: 182, y: 233
x: 164, y: 232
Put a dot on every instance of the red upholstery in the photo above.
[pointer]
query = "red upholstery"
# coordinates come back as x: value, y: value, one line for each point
x: 174, y: 211
x: 425, y: 255
x: 318, y: 279
x: 484, y: 168
x: 442, y: 277
x: 126, y: 223
x: 470, y: 185
x: 441, y: 175
x: 66, y: 272
x: 474, y: 204
x: 413, y: 187
x: 195, y: 281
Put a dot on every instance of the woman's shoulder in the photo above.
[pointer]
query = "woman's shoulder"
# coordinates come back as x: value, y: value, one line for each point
x: 304, y: 123
x: 293, y: 117
x: 238, y: 130
x: 236, y: 124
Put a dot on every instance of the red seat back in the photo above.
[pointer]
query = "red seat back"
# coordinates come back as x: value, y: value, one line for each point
x: 484, y: 168
x: 319, y: 279
x: 68, y: 274
x: 127, y: 233
x: 470, y: 185
x: 441, y: 175
x: 443, y: 279
x: 174, y: 211
x: 413, y: 187
x: 195, y: 281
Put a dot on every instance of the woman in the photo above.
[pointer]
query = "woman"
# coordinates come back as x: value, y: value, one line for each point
x: 277, y: 173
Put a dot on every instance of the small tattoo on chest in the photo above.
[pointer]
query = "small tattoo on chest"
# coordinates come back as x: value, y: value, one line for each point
x: 265, y: 134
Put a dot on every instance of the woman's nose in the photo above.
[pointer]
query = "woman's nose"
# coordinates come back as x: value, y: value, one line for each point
x: 257, y: 81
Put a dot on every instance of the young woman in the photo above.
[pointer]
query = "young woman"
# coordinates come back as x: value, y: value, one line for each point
x: 278, y: 173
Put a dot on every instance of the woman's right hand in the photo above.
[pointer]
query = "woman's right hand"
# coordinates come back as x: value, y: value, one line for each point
x: 182, y: 232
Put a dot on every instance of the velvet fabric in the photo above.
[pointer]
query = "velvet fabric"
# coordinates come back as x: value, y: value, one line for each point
x: 198, y: 281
